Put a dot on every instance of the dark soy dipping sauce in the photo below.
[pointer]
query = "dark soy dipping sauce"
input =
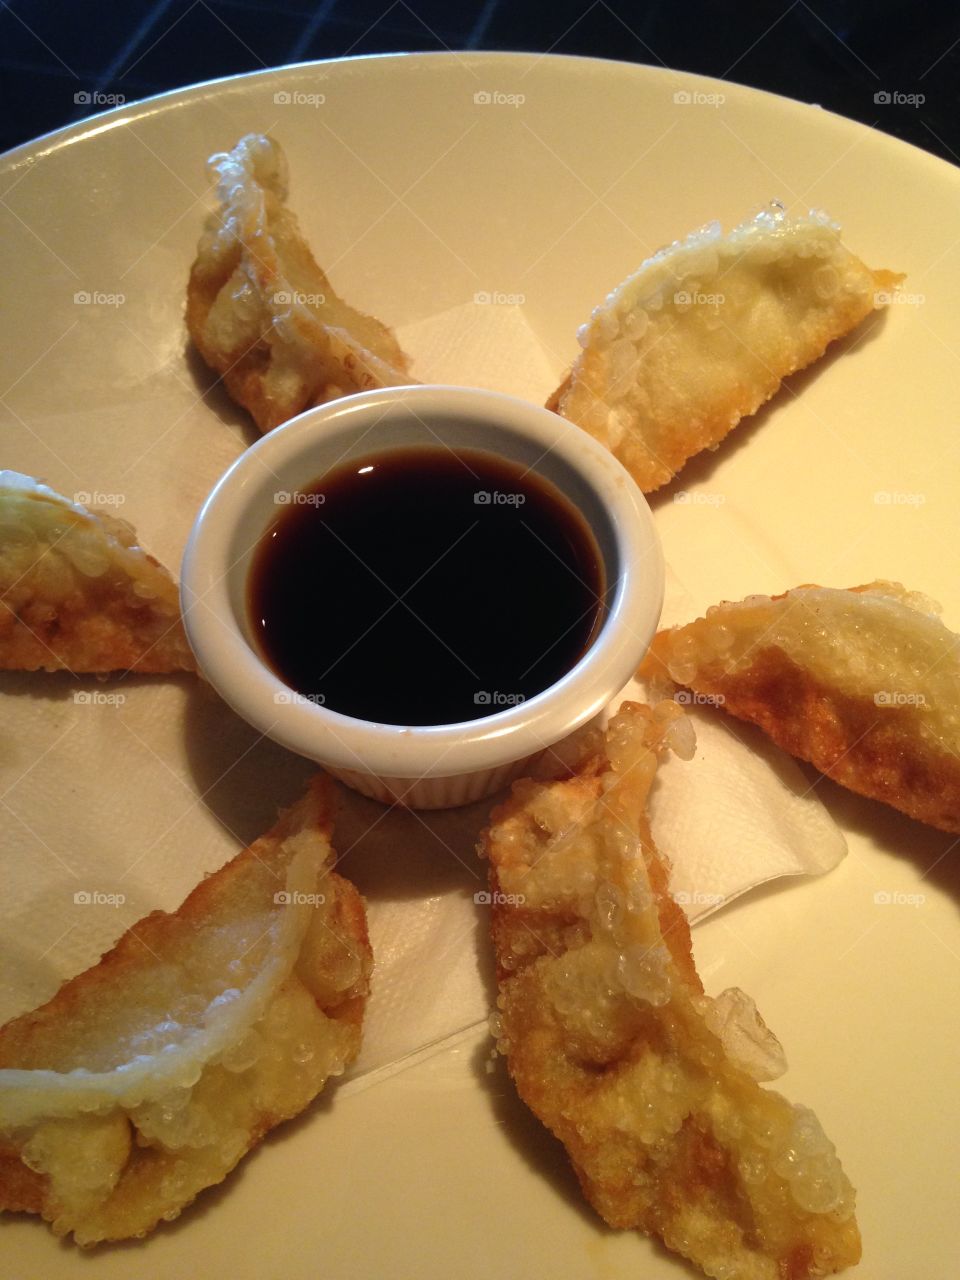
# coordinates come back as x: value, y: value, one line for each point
x: 421, y: 586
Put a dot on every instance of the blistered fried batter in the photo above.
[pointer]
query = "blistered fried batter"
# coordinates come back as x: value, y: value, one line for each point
x: 78, y: 592
x: 262, y: 312
x: 864, y: 684
x: 148, y: 1077
x: 703, y: 333
x: 651, y: 1085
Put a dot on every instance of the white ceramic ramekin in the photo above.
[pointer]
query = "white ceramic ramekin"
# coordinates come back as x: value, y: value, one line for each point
x: 433, y: 766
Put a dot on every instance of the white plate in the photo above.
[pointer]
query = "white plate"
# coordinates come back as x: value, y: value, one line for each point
x: 422, y: 181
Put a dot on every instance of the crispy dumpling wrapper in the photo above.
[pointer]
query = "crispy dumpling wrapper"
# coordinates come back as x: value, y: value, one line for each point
x: 703, y: 333
x: 77, y: 592
x: 863, y: 683
x: 263, y: 313
x: 651, y: 1085
x: 148, y: 1077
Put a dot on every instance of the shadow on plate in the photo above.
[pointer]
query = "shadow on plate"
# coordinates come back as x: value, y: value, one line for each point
x: 547, y: 1158
x: 64, y: 686
x: 242, y: 777
x: 245, y: 778
x: 393, y: 854
x: 213, y: 392
x: 936, y: 854
x: 544, y: 1153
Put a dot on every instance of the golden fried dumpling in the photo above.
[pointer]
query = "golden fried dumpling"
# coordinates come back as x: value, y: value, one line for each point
x: 148, y: 1077
x: 704, y: 332
x: 78, y: 592
x: 651, y: 1085
x: 865, y: 684
x: 262, y: 312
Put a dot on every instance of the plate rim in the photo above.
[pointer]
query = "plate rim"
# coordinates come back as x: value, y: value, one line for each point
x: 46, y: 144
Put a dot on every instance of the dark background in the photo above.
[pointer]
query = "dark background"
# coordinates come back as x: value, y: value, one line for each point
x: 60, y: 59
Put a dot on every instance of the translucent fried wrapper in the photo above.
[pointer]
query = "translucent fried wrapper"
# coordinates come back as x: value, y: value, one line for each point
x: 703, y: 333
x: 77, y: 592
x: 148, y: 1077
x: 263, y: 313
x: 651, y: 1085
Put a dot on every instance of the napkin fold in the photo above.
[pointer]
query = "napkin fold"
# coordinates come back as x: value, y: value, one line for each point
x: 741, y: 812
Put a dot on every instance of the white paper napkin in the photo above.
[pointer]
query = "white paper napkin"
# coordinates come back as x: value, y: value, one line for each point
x: 741, y: 812
x: 481, y: 344
x: 117, y: 796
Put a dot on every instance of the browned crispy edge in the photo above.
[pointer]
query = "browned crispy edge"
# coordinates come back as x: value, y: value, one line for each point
x: 32, y: 640
x: 876, y: 752
x: 43, y: 644
x: 350, y: 919
x: 553, y: 403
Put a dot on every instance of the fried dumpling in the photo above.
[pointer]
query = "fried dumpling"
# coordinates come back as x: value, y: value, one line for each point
x: 148, y: 1077
x: 78, y: 592
x: 704, y: 332
x: 651, y: 1085
x: 262, y: 312
x: 864, y: 683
